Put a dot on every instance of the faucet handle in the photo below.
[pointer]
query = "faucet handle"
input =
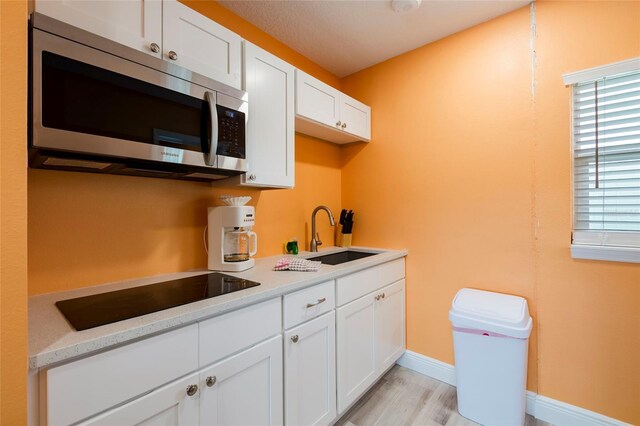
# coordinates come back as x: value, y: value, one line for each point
x: 318, y: 240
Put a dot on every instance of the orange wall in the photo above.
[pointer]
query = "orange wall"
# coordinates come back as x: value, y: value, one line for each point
x: 481, y: 193
x: 124, y: 227
x: 13, y: 213
x: 455, y: 116
x: 588, y: 312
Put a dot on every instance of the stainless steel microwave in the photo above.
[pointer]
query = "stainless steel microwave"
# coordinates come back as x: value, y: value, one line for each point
x: 98, y: 106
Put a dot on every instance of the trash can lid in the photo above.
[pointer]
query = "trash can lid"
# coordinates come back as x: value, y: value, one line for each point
x: 486, y: 310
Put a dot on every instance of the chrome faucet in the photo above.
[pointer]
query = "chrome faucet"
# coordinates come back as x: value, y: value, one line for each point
x: 316, y: 242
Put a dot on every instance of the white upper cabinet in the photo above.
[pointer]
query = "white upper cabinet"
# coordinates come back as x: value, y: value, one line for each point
x: 269, y: 81
x: 134, y: 23
x: 355, y: 117
x: 327, y: 113
x: 316, y: 100
x: 196, y: 42
x: 166, y: 29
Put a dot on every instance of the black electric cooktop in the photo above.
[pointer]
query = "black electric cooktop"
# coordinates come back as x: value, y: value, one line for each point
x: 106, y: 308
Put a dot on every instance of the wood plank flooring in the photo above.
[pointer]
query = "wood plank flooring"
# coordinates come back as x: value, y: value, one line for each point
x: 404, y: 397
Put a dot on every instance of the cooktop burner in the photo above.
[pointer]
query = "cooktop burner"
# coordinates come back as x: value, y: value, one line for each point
x: 106, y: 308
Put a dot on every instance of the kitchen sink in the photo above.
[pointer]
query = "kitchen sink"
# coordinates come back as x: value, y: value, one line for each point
x: 342, y: 257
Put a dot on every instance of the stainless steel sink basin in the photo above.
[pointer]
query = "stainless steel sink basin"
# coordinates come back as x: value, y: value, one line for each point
x: 342, y: 257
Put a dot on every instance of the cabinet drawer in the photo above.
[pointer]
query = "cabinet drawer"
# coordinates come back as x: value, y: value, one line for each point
x: 308, y: 303
x: 229, y: 333
x: 357, y: 285
x: 82, y: 388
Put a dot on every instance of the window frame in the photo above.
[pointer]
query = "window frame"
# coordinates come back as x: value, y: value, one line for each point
x: 596, y: 248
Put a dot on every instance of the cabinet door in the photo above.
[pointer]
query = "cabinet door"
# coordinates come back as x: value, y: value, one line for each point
x: 310, y: 372
x: 200, y: 44
x: 356, y: 365
x: 245, y: 389
x: 389, y: 325
x: 316, y: 100
x: 134, y: 23
x: 355, y: 117
x: 169, y: 405
x: 270, y: 132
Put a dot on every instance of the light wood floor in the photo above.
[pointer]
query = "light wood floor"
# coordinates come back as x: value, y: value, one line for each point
x: 404, y: 397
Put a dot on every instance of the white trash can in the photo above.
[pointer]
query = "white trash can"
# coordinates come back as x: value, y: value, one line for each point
x: 490, y: 339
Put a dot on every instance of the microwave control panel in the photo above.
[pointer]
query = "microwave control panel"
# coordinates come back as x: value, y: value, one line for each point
x: 231, y: 132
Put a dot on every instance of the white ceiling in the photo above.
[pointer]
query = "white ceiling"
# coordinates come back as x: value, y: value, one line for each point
x: 345, y: 36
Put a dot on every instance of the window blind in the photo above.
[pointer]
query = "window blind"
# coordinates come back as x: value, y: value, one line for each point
x: 606, y: 160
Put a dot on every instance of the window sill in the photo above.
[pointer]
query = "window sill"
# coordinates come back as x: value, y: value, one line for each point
x: 608, y: 253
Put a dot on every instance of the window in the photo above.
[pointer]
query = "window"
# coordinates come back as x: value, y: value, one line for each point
x: 606, y: 161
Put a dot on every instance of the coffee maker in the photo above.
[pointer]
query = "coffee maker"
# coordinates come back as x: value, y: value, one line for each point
x: 231, y: 241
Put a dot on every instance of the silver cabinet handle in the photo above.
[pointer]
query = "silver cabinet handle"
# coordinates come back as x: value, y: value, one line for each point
x: 192, y: 390
x: 154, y: 47
x: 252, y: 177
x: 294, y: 338
x: 172, y: 55
x: 311, y: 305
x: 344, y: 125
x: 210, y: 381
x: 339, y: 123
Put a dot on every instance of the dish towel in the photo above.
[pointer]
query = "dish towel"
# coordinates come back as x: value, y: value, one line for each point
x: 296, y: 264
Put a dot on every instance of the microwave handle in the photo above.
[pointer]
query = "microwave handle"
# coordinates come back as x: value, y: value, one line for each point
x: 210, y: 98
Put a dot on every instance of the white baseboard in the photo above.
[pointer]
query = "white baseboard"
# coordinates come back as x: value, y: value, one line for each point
x: 429, y: 367
x: 560, y: 413
x: 542, y: 408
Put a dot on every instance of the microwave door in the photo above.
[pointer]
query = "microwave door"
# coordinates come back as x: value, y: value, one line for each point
x: 92, y: 103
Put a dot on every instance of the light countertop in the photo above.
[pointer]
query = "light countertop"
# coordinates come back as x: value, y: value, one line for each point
x: 53, y: 340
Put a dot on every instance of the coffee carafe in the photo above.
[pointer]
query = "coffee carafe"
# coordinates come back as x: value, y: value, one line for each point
x: 237, y: 244
x: 231, y: 241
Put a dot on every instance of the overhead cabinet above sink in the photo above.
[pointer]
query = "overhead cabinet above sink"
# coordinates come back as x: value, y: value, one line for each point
x: 327, y: 113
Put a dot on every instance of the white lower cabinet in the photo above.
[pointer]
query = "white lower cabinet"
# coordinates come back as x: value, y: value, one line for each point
x: 169, y: 405
x: 370, y: 329
x: 310, y: 372
x: 245, y: 389
x: 356, y: 349
x: 241, y: 368
x: 389, y: 326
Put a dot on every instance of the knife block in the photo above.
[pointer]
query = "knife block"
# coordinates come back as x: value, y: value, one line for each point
x: 345, y: 240
x: 342, y: 240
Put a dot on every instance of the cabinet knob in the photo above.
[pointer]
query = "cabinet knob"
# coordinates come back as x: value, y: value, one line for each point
x: 192, y: 390
x: 344, y: 125
x: 383, y: 295
x: 210, y: 381
x: 252, y: 177
x: 377, y: 297
x: 294, y: 338
x: 154, y: 47
x: 173, y: 55
x: 339, y: 123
